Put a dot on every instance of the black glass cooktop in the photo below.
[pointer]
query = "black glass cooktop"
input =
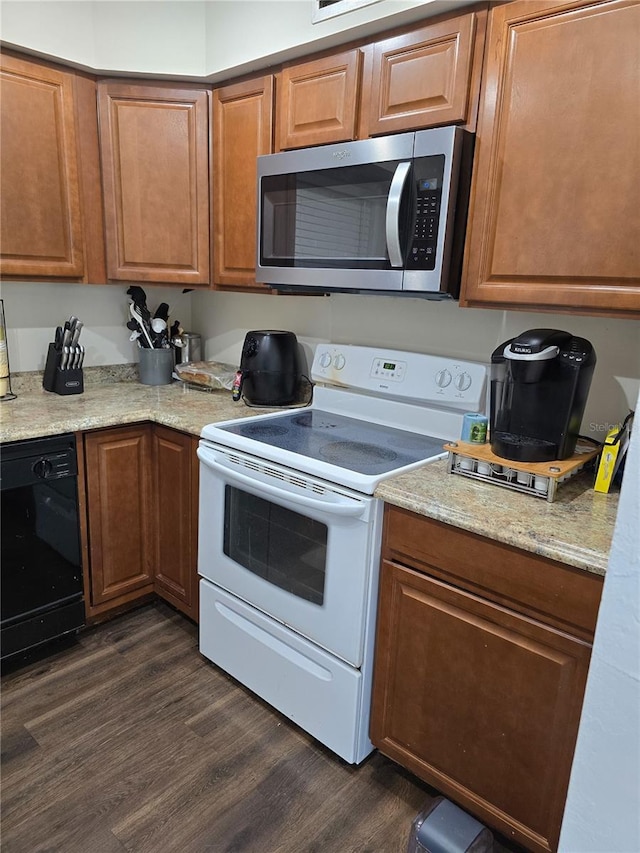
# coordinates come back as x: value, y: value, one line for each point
x: 350, y: 443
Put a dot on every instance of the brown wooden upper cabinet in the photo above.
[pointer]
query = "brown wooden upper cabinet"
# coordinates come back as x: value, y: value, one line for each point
x: 50, y: 208
x: 154, y: 144
x: 425, y: 77
x: 318, y: 100
x: 242, y: 130
x: 555, y: 218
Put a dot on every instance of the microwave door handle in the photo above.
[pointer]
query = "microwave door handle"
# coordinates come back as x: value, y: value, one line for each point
x: 352, y: 508
x: 396, y: 190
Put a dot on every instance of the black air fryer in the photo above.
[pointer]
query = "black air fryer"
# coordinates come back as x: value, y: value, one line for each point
x: 539, y: 387
x: 269, y: 373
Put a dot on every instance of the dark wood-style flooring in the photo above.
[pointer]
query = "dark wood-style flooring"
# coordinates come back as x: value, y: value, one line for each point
x: 131, y: 741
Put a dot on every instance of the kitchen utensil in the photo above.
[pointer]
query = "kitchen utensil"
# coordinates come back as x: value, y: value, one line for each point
x: 139, y: 299
x: 162, y: 312
x: 58, y: 337
x: 66, y: 334
x: 75, y: 334
x: 135, y: 314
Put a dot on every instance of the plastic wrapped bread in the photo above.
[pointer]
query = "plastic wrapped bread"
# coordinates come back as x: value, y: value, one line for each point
x: 211, y: 375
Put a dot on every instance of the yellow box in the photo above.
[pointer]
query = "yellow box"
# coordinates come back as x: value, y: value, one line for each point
x: 607, y: 465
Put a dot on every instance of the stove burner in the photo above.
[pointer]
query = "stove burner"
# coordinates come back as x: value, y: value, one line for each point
x: 260, y: 431
x: 313, y: 421
x: 355, y: 453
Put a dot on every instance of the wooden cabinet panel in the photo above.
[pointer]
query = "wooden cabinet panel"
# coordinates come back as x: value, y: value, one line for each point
x: 120, y: 528
x: 154, y: 142
x: 554, y: 223
x: 423, y: 78
x: 318, y: 101
x: 242, y: 130
x: 40, y: 211
x: 175, y: 505
x: 482, y: 653
x: 561, y: 596
x: 480, y: 702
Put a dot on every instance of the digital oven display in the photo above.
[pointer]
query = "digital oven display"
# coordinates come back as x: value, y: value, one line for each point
x: 388, y: 365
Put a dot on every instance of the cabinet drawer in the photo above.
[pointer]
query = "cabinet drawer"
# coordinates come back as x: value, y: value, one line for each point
x: 558, y: 595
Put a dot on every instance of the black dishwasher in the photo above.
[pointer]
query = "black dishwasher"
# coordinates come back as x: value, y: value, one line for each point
x: 41, y: 570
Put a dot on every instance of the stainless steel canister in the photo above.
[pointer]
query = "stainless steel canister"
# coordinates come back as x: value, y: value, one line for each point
x: 191, y: 349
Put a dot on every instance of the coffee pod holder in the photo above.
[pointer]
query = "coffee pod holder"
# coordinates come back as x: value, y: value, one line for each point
x: 61, y: 380
x: 540, y: 479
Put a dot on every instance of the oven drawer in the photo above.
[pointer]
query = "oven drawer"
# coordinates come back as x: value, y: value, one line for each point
x: 324, y: 696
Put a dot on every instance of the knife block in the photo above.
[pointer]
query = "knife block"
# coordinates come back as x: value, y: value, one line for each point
x: 61, y: 381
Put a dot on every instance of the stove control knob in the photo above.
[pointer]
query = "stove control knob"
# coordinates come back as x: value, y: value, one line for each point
x: 463, y: 381
x: 325, y: 359
x: 338, y: 361
x: 443, y: 378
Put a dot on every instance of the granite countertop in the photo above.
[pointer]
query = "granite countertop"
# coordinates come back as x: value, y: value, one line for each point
x: 575, y: 529
x: 36, y: 412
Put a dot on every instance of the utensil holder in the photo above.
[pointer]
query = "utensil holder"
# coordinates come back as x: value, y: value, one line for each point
x: 64, y: 382
x: 155, y: 366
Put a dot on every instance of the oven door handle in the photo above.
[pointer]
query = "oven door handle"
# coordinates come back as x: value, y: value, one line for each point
x: 353, y: 508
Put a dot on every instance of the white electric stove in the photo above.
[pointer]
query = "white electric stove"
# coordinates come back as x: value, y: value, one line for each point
x: 290, y: 534
x: 375, y: 413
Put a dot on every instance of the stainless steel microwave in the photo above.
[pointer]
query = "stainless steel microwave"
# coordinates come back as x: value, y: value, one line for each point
x: 383, y: 215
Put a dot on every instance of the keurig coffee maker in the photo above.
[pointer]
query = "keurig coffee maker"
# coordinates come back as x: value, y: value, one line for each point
x: 539, y: 387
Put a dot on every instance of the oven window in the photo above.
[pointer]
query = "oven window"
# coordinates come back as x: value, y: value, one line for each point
x: 285, y: 548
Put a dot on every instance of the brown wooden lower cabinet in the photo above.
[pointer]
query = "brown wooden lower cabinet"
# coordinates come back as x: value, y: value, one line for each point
x: 476, y: 691
x: 175, y: 503
x: 140, y: 483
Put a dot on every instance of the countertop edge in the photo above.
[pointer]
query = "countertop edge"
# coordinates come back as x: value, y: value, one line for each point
x: 428, y: 491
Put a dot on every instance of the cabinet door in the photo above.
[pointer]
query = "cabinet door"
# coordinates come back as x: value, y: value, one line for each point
x: 478, y: 701
x: 242, y: 130
x: 175, y: 500
x: 118, y: 482
x: 40, y: 215
x: 424, y: 77
x: 554, y: 220
x: 318, y: 101
x: 154, y: 143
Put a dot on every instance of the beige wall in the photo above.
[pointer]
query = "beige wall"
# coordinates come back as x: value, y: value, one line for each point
x: 206, y: 39
x: 443, y: 328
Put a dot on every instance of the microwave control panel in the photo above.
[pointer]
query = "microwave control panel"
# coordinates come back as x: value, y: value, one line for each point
x: 428, y: 180
x: 422, y: 254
